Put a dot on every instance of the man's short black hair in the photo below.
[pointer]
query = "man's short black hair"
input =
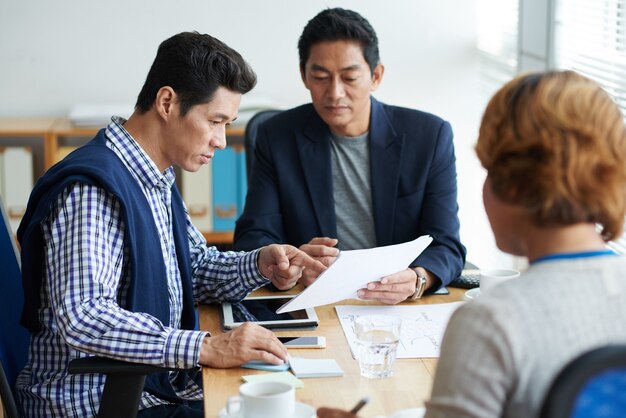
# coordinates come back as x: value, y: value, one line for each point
x: 195, y: 66
x: 339, y: 25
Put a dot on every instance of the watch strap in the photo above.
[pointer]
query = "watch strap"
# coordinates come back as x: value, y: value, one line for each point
x: 420, y: 285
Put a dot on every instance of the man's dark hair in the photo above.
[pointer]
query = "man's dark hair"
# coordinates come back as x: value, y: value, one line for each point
x: 195, y: 66
x: 339, y: 25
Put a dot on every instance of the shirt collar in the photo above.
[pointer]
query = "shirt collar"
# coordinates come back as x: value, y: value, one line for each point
x: 135, y: 158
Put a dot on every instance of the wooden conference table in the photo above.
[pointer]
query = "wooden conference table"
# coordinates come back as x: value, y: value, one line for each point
x: 408, y: 388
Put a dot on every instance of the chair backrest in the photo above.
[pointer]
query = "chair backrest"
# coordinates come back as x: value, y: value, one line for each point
x: 249, y: 138
x: 592, y: 385
x: 14, y: 338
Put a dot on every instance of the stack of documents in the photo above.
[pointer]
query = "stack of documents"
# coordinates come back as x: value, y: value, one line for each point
x: 87, y: 116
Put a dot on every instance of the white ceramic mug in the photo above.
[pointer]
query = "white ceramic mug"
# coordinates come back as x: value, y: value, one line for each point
x: 263, y: 400
x: 410, y: 413
x: 492, y: 278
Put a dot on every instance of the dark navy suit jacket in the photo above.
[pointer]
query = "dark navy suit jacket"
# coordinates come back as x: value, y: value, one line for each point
x: 413, y: 181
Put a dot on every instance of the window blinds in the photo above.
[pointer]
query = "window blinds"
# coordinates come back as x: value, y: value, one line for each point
x: 590, y: 38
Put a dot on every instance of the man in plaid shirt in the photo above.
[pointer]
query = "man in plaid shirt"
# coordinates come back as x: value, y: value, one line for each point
x: 112, y: 265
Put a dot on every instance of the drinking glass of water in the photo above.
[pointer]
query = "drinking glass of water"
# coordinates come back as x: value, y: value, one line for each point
x: 377, y: 338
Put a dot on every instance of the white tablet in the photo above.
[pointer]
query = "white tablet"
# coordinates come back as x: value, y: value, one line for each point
x: 262, y: 310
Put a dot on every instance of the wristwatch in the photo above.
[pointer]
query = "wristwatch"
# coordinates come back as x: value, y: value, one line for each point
x: 420, y: 285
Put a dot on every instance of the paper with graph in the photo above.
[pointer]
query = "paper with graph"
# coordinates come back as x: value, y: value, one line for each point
x: 422, y: 326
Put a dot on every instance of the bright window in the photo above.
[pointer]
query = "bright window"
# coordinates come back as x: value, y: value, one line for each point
x: 590, y: 38
x: 497, y: 42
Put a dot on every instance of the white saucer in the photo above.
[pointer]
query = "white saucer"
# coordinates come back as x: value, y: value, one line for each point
x: 472, y: 294
x: 302, y: 411
x: 410, y: 413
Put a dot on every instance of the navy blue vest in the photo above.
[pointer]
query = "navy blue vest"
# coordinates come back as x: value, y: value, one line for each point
x: 96, y: 164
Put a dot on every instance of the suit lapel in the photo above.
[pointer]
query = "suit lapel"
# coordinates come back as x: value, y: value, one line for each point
x: 314, y: 150
x: 385, y: 157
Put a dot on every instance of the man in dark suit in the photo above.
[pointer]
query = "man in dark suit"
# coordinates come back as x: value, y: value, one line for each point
x: 348, y: 171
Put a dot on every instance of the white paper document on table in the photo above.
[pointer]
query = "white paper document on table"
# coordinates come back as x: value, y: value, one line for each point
x: 421, y: 331
x: 353, y: 270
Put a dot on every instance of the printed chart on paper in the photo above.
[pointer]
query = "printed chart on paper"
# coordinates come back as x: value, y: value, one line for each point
x: 422, y: 326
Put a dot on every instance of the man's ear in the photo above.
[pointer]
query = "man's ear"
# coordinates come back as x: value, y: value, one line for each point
x: 165, y: 102
x: 377, y: 76
x: 303, y: 76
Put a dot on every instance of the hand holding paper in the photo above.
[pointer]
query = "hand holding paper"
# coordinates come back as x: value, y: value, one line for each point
x: 353, y: 270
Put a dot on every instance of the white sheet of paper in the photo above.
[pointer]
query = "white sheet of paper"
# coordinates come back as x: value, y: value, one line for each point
x: 353, y: 270
x: 421, y: 331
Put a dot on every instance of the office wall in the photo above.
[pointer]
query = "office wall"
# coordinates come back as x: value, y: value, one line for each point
x: 54, y: 55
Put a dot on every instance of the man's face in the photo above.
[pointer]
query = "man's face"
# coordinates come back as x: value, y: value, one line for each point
x: 193, y: 138
x: 340, y: 83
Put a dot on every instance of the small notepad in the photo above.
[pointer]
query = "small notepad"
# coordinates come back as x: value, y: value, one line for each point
x: 284, y: 377
x: 261, y: 365
x: 306, y: 367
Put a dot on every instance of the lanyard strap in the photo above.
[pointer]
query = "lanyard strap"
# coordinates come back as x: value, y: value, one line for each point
x: 583, y: 254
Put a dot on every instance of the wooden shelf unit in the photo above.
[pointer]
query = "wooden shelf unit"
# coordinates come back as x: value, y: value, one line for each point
x: 53, y: 131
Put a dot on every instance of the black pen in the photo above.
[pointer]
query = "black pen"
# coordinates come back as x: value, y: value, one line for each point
x: 360, y: 405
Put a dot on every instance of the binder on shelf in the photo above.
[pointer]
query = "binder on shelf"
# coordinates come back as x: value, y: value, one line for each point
x: 224, y: 180
x: 242, y: 180
x: 197, y: 194
x: 2, y: 172
x: 18, y: 182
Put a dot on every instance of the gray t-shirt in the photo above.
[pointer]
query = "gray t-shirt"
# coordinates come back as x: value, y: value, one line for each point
x: 350, y: 160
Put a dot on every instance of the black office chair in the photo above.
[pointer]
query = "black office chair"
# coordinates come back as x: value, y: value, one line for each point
x: 591, y: 386
x: 124, y: 381
x: 249, y: 138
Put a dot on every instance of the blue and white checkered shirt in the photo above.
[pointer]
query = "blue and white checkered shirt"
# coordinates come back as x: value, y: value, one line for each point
x: 87, y: 273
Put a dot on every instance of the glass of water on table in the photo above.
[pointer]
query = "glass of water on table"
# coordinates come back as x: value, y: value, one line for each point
x: 377, y: 338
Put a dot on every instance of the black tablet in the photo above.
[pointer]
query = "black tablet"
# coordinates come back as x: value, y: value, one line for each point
x: 262, y: 310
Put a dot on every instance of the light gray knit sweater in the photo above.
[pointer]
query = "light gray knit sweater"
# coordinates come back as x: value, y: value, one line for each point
x: 501, y: 351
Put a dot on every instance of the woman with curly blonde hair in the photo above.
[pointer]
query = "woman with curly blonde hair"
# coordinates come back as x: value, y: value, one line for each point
x: 554, y: 147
